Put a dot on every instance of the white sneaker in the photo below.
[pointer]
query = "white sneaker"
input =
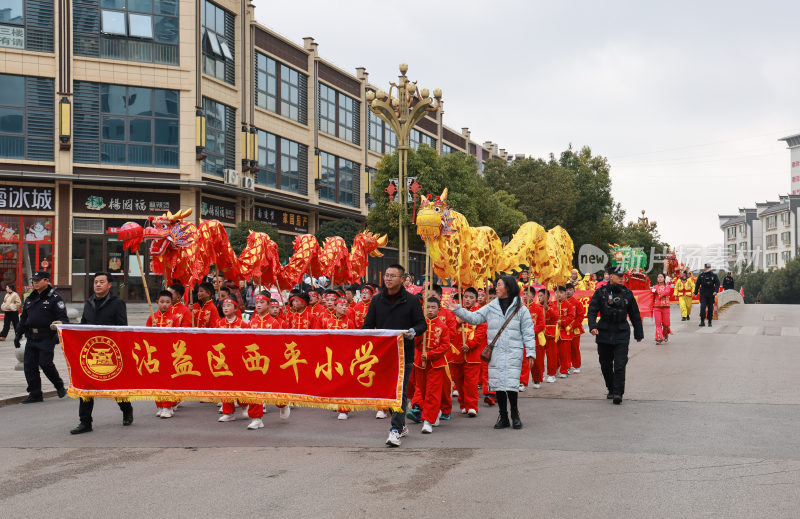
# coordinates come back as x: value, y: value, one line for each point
x: 438, y: 419
x: 159, y: 411
x: 562, y: 375
x: 522, y: 388
x: 537, y: 385
x: 166, y: 412
x: 571, y: 371
x: 245, y: 415
x: 342, y: 416
x: 472, y: 412
x: 380, y: 415
x: 551, y: 379
x: 177, y: 405
x: 256, y: 423
x: 285, y: 412
x: 227, y: 417
x: 455, y: 392
x: 394, y: 438
x: 426, y: 428
x: 576, y: 370
x: 463, y: 411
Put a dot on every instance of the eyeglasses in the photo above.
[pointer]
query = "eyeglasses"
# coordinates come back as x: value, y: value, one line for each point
x: 390, y: 276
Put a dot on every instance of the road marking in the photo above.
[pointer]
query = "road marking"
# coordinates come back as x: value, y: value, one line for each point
x: 769, y: 317
x: 790, y: 331
x: 749, y: 330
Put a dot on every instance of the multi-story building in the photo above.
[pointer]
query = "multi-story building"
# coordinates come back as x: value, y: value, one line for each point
x: 115, y: 110
x: 742, y: 237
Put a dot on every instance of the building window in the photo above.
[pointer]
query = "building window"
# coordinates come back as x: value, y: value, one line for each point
x: 27, y: 24
x: 786, y: 256
x: 375, y: 142
x: 772, y: 222
x: 117, y: 124
x: 339, y: 115
x: 390, y: 141
x: 283, y: 164
x: 220, y: 137
x: 772, y: 259
x: 340, y: 180
x: 132, y: 30
x: 26, y: 117
x: 277, y: 81
x: 219, y: 35
x: 786, y: 238
x: 417, y: 137
x: 447, y: 149
x: 772, y: 241
x: 786, y: 219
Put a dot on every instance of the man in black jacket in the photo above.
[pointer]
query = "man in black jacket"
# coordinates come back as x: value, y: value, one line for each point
x: 395, y: 309
x: 615, y: 304
x: 103, y: 309
x: 727, y: 282
x: 42, y: 311
x: 708, y: 285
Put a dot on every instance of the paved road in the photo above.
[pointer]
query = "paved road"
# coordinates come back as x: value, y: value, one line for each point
x: 708, y: 428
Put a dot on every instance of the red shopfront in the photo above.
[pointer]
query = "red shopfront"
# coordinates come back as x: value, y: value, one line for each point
x: 26, y: 238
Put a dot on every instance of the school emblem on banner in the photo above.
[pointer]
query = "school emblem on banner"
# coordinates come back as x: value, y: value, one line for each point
x: 100, y: 358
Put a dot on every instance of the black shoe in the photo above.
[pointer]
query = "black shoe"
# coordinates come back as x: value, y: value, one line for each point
x: 61, y: 392
x: 709, y: 324
x: 617, y: 399
x: 610, y: 395
x: 516, y: 423
x: 82, y: 428
x: 502, y: 422
x: 702, y: 323
x: 127, y: 418
x: 32, y: 399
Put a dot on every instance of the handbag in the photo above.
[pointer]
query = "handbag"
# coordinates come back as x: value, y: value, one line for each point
x: 486, y: 354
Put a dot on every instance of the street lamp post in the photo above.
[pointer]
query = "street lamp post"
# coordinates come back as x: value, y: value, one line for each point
x: 402, y: 113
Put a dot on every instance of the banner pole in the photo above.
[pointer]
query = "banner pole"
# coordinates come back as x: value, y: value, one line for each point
x: 144, y: 282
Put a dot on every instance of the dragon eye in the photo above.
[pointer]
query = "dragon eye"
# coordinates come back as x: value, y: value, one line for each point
x: 438, y: 209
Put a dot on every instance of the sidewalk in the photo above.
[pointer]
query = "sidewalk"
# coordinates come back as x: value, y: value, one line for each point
x: 12, y: 382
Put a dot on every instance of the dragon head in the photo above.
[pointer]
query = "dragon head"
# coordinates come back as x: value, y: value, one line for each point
x: 168, y: 230
x: 433, y: 218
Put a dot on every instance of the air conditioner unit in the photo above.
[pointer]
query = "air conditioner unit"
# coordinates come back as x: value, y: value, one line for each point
x: 232, y: 177
x: 247, y: 183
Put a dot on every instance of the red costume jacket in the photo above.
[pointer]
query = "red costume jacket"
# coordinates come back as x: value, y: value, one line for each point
x: 567, y: 318
x: 360, y: 312
x: 236, y: 323
x: 159, y: 320
x: 338, y: 323
x: 551, y: 320
x: 265, y: 323
x: 181, y: 315
x: 476, y: 339
x: 305, y: 320
x: 436, y: 341
x: 205, y: 316
x: 580, y: 315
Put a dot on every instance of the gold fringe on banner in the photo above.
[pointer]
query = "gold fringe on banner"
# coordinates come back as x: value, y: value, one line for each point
x: 356, y: 404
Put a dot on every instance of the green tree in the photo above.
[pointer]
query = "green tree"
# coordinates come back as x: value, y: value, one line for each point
x: 782, y: 286
x: 644, y: 234
x: 345, y: 227
x: 238, y: 237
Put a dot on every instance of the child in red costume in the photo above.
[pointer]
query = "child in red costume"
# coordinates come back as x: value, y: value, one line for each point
x: 360, y: 308
x: 474, y: 344
x: 204, y: 313
x: 254, y: 411
x: 181, y: 315
x: 537, y: 310
x: 661, y: 295
x: 430, y: 364
x: 301, y: 317
x: 267, y: 314
x: 577, y: 329
x: 565, y: 320
x: 163, y: 318
x: 340, y: 321
x: 551, y: 318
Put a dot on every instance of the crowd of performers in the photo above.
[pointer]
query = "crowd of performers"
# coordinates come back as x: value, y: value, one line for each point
x: 447, y: 364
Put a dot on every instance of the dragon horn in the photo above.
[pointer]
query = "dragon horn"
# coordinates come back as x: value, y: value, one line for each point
x: 383, y: 240
x: 443, y: 197
x: 186, y: 212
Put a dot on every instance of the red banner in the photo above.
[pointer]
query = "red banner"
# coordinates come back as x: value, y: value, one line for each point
x: 362, y: 369
x: 644, y: 298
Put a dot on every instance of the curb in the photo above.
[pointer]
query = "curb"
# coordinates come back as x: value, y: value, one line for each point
x: 17, y: 399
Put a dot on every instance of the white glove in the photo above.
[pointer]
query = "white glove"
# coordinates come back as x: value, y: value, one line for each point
x: 410, y: 333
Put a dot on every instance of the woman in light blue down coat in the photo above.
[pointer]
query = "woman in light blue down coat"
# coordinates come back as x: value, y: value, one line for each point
x: 507, y: 357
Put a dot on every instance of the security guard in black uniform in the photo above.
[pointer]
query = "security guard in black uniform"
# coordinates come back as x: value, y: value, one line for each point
x: 615, y: 304
x: 708, y: 286
x: 42, y: 310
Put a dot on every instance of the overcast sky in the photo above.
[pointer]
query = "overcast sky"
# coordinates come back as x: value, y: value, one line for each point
x: 685, y: 99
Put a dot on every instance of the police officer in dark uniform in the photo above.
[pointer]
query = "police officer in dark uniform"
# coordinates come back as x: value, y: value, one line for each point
x: 615, y: 304
x: 708, y: 286
x: 41, y: 312
x: 103, y: 309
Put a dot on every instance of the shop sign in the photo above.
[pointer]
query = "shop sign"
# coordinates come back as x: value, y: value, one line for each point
x: 20, y: 197
x: 215, y: 209
x: 283, y: 220
x: 12, y: 37
x: 111, y: 202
